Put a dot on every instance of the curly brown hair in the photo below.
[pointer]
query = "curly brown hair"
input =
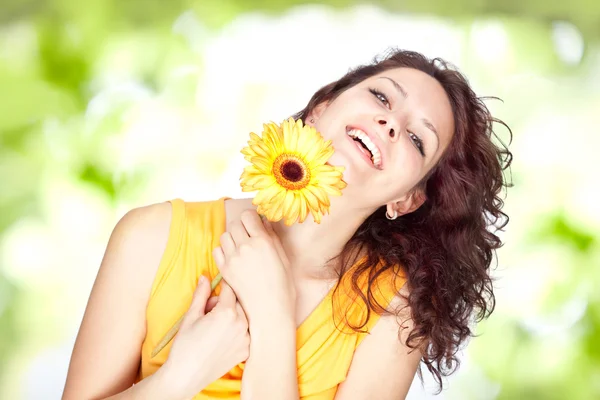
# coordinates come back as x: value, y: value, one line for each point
x: 446, y: 246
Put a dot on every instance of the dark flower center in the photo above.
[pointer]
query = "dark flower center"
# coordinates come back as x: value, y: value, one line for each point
x: 292, y: 171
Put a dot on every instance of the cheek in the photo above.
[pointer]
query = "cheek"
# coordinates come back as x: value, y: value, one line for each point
x: 328, y: 121
x: 406, y: 156
x: 353, y: 174
x: 406, y: 170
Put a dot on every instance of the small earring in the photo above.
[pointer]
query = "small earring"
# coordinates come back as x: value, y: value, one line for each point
x: 391, y: 218
x: 312, y: 120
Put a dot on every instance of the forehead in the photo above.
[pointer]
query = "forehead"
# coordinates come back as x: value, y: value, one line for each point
x: 411, y: 77
x: 425, y: 95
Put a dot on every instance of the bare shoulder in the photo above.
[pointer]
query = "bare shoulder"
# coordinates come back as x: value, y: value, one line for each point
x: 141, y: 234
x: 394, y: 328
x: 156, y: 217
x: 114, y: 324
x: 383, y: 356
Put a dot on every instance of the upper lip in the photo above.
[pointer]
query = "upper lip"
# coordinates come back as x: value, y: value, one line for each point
x: 374, y: 138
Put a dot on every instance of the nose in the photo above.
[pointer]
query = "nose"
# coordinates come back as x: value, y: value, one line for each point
x: 391, y: 129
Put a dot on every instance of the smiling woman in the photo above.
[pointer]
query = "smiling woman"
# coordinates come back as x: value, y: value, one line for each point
x: 442, y: 241
x: 342, y: 309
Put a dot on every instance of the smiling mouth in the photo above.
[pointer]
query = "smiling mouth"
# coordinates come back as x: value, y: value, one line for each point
x: 367, y: 145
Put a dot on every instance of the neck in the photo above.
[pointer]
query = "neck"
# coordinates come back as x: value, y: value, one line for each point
x: 309, y: 246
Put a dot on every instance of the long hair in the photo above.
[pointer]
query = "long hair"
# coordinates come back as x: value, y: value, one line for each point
x: 445, y: 247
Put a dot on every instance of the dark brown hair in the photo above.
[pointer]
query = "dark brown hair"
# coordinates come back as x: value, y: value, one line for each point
x: 446, y: 246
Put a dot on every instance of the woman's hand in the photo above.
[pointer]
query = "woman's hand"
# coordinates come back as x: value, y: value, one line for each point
x: 208, y: 344
x: 252, y: 260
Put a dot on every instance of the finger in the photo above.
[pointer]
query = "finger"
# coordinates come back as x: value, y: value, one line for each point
x: 268, y: 226
x: 252, y: 223
x: 211, y: 303
x: 227, y: 297
x: 240, y: 312
x: 238, y: 233
x: 227, y: 244
x: 219, y: 257
x: 201, y: 294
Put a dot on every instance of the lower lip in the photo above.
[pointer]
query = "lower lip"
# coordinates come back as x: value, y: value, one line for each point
x: 358, y: 147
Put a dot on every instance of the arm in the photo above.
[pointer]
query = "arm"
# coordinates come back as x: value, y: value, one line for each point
x: 271, y: 370
x: 253, y: 261
x: 383, y: 367
x: 151, y: 388
x: 106, y: 355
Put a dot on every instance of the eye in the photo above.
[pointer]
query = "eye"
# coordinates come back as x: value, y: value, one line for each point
x: 380, y: 96
x: 418, y: 143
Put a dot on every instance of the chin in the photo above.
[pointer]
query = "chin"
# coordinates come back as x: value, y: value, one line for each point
x: 352, y: 174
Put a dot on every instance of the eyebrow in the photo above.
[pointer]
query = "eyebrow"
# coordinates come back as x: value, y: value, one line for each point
x: 397, y: 86
x: 430, y: 126
x: 425, y: 121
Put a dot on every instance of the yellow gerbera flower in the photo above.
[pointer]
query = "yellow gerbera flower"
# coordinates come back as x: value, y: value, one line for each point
x: 289, y: 170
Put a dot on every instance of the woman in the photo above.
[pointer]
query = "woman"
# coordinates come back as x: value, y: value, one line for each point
x: 345, y: 309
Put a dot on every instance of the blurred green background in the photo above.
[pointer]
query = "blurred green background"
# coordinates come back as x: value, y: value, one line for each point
x: 107, y: 105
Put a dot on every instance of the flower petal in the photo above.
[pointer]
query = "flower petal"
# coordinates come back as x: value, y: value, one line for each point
x: 331, y: 190
x: 291, y: 214
x: 267, y: 194
x: 303, y: 212
x: 320, y: 194
x: 291, y: 140
x: 311, y: 200
x: 262, y: 164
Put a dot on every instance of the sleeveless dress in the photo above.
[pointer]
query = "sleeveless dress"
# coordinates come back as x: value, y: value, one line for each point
x: 325, y: 345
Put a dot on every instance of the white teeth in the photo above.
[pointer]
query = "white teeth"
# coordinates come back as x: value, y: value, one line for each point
x: 360, y: 135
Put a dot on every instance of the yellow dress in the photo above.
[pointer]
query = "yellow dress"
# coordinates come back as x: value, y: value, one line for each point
x: 324, y: 347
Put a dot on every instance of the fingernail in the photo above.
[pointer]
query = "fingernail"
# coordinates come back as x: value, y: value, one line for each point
x: 201, y: 280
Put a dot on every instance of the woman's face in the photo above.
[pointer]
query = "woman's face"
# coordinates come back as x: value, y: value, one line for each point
x: 408, y: 122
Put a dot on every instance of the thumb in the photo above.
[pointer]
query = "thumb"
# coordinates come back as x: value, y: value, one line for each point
x: 227, y: 296
x: 201, y: 295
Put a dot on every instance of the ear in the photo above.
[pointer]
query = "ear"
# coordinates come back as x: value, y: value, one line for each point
x: 408, y: 203
x: 317, y: 111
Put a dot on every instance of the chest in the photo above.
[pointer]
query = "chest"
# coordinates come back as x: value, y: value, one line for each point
x: 310, y: 296
x: 310, y: 293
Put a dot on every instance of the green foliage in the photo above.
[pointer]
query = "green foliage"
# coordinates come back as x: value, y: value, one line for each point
x: 55, y: 58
